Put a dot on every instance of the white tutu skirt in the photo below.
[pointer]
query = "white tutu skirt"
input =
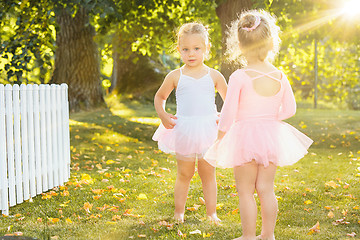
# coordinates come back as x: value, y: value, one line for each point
x: 265, y: 141
x: 191, y: 136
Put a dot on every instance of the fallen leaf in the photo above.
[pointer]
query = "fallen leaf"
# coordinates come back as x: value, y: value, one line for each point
x: 194, y: 208
x: 235, y: 211
x: 205, y: 235
x: 116, y: 217
x: 97, y: 191
x: 54, y: 220
x: 332, y: 184
x: 142, y: 196
x: 351, y: 234
x: 315, y: 228
x: 344, y: 212
x: 195, y: 232
x: 219, y: 206
x: 87, y: 206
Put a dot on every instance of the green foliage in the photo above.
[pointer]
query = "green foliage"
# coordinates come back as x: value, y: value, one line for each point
x: 301, y: 23
x: 29, y: 29
x: 148, y: 28
x: 27, y: 39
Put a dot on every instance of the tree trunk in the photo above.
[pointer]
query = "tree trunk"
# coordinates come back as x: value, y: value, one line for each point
x: 77, y: 60
x: 132, y: 72
x: 122, y: 62
x: 228, y: 11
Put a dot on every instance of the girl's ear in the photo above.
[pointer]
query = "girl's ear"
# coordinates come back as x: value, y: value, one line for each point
x: 178, y: 48
x: 271, y: 45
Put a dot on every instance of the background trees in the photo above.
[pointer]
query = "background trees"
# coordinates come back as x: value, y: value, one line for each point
x: 130, y: 44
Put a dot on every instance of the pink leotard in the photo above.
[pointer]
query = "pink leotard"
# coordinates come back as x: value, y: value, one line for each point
x: 253, y: 126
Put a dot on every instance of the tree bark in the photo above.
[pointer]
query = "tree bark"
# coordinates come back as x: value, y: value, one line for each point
x: 228, y: 11
x: 132, y: 72
x: 122, y: 62
x: 77, y: 60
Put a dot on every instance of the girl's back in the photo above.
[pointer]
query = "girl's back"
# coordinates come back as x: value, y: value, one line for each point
x: 261, y: 93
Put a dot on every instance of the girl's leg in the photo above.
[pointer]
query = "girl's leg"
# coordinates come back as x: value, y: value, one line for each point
x: 185, y: 171
x: 208, y: 179
x: 245, y: 178
x: 269, y: 206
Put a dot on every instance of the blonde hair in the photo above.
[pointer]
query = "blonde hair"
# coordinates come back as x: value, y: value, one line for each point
x: 193, y: 28
x: 247, y: 35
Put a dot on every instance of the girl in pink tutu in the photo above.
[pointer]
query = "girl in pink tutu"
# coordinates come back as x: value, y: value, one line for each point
x: 193, y: 129
x: 252, y: 137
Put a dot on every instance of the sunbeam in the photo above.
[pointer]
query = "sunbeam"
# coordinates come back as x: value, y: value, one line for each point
x: 351, y: 8
x: 323, y: 18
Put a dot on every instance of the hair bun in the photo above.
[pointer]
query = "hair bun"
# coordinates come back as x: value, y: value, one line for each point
x: 248, y: 21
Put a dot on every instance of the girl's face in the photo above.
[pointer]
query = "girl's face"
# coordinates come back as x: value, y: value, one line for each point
x: 193, y: 49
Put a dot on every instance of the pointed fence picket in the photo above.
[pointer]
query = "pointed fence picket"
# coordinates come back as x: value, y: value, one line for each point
x: 34, y: 141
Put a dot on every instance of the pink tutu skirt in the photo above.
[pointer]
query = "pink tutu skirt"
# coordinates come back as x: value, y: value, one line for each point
x: 261, y: 140
x: 191, y: 136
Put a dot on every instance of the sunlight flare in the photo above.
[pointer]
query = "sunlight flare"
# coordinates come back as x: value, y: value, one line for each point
x: 351, y: 8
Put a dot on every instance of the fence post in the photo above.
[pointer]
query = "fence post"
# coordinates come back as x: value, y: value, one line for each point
x: 37, y: 139
x: 54, y: 121
x: 44, y: 155
x: 30, y: 108
x: 17, y: 145
x: 49, y: 144
x: 65, y: 108
x: 59, y: 135
x: 24, y: 140
x: 34, y: 141
x: 4, y: 200
x: 10, y: 143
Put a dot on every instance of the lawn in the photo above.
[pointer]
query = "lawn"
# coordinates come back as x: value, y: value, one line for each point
x: 121, y: 185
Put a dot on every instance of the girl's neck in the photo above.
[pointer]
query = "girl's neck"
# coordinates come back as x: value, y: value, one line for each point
x: 195, y: 72
x: 259, y: 65
x: 197, y: 68
x: 252, y: 58
x: 256, y: 62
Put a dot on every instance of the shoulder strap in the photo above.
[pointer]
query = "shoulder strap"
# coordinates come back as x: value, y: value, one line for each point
x: 265, y: 74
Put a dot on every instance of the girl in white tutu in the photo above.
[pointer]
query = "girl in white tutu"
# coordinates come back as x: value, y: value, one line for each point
x: 193, y: 129
x: 252, y: 137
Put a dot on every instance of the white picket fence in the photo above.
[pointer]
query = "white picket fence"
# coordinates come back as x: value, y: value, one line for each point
x: 34, y: 141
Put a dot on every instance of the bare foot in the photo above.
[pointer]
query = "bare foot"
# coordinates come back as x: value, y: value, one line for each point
x: 265, y: 238
x: 245, y: 238
x: 214, y: 218
x: 179, y: 217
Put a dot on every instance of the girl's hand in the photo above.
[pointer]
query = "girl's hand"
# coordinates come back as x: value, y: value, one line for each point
x: 168, y: 120
x: 221, y: 134
x: 218, y: 119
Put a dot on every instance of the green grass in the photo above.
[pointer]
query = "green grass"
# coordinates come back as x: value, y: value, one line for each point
x: 115, y: 160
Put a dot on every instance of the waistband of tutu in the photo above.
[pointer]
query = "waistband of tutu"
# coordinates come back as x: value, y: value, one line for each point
x: 255, y: 118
